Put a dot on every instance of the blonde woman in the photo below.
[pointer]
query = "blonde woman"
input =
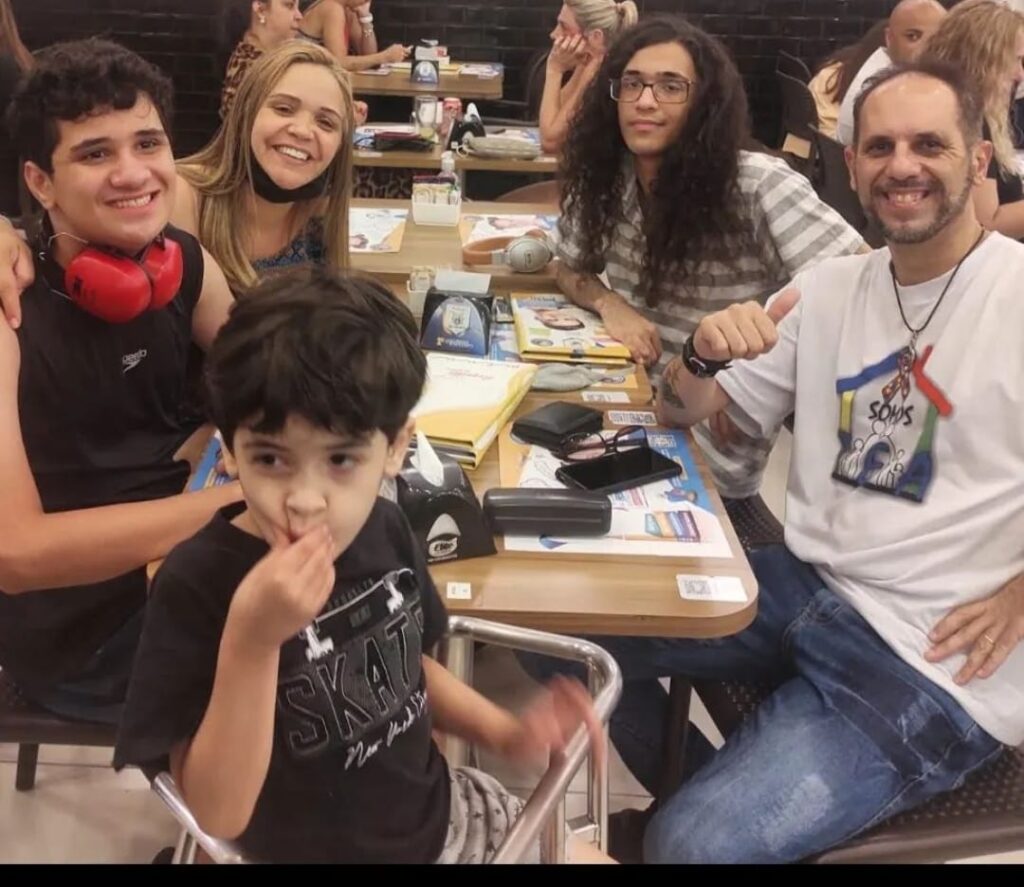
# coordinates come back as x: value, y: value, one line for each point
x: 272, y: 188
x: 985, y: 39
x: 345, y: 27
x: 584, y: 31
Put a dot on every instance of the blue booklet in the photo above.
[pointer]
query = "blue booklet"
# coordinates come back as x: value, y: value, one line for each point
x: 688, y: 486
x: 206, y: 474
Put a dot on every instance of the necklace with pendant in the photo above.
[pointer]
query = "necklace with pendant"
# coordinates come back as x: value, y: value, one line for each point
x: 908, y: 356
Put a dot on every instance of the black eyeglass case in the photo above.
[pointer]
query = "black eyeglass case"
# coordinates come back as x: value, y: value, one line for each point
x: 551, y: 424
x: 536, y: 512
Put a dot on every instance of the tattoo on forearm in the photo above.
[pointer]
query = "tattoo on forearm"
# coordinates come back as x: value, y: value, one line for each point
x: 673, y: 399
x: 668, y: 386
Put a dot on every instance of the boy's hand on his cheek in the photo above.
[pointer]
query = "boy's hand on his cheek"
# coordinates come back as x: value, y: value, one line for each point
x: 549, y: 722
x: 285, y: 591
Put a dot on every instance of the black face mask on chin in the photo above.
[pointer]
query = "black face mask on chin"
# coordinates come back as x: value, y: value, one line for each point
x: 266, y: 188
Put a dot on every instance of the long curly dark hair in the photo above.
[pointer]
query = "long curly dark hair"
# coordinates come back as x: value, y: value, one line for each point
x: 695, y: 212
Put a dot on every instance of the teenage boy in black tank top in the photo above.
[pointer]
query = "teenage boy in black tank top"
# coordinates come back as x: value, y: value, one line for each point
x: 91, y: 416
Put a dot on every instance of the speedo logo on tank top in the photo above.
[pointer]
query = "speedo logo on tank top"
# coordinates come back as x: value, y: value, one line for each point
x: 130, y: 361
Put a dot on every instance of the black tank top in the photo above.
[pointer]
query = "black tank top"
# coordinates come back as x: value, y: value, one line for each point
x: 101, y: 408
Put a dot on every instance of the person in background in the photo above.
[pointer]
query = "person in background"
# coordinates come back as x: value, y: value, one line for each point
x: 910, y: 25
x: 345, y: 27
x: 584, y: 31
x: 985, y: 39
x: 15, y: 59
x: 284, y: 201
x: 835, y: 77
x: 253, y: 27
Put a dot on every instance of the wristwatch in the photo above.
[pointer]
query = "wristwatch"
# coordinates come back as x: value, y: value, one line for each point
x: 699, y: 366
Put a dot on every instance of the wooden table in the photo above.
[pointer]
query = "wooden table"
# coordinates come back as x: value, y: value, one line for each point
x: 441, y: 247
x: 575, y: 594
x: 397, y: 82
x: 545, y: 164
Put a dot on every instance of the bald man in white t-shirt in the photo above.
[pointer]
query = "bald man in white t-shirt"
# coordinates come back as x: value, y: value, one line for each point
x: 890, y: 622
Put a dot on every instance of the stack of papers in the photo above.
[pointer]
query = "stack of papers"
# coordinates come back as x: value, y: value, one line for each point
x: 467, y: 401
x: 485, y: 71
x: 668, y: 518
x: 376, y: 230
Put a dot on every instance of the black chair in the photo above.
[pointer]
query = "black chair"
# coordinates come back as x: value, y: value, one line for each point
x: 832, y: 182
x: 794, y: 67
x: 29, y: 726
x: 533, y: 89
x: 982, y: 817
x: 799, y: 116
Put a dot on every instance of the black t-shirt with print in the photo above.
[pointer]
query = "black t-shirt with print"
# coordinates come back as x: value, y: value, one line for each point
x: 354, y: 773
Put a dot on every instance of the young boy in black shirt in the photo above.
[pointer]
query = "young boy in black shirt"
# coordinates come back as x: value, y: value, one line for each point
x: 284, y: 668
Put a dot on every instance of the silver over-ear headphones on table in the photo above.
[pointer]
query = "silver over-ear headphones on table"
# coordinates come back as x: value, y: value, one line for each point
x: 525, y: 254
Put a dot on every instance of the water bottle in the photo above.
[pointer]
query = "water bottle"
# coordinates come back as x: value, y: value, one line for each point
x: 448, y: 168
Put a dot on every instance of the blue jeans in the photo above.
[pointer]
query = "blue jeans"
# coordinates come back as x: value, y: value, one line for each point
x: 851, y: 736
x: 98, y: 693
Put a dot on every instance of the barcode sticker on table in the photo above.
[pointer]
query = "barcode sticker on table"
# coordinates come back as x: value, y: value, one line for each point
x: 724, y: 589
x: 605, y: 397
x: 460, y: 591
x: 631, y: 417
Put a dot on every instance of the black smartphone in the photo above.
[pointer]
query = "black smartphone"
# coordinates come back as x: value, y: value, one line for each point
x: 619, y: 471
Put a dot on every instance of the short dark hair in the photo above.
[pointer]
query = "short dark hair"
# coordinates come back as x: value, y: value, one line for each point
x: 71, y: 80
x: 339, y: 351
x: 969, y: 104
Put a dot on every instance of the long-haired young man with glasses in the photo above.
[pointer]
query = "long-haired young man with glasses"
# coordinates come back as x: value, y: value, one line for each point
x: 660, y: 193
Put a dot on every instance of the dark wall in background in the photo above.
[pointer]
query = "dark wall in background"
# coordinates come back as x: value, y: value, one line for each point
x: 180, y: 36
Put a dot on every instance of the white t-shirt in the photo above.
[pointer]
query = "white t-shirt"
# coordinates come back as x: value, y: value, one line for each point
x: 906, y: 486
x: 879, y: 60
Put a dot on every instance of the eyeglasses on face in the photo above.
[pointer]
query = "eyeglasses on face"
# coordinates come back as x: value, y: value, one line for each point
x: 668, y: 92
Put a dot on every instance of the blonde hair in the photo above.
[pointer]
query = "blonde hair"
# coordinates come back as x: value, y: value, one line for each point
x: 222, y: 171
x: 980, y: 38
x: 604, y: 15
x: 10, y: 39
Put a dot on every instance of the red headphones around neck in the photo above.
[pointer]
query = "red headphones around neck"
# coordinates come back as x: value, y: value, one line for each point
x: 117, y: 288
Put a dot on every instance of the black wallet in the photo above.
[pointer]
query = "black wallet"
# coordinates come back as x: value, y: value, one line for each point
x: 536, y: 512
x: 551, y: 424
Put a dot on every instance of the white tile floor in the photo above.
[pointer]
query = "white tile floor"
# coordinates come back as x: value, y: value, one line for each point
x: 81, y: 811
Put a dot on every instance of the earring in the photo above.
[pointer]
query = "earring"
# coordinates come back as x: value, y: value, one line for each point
x: 263, y: 19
